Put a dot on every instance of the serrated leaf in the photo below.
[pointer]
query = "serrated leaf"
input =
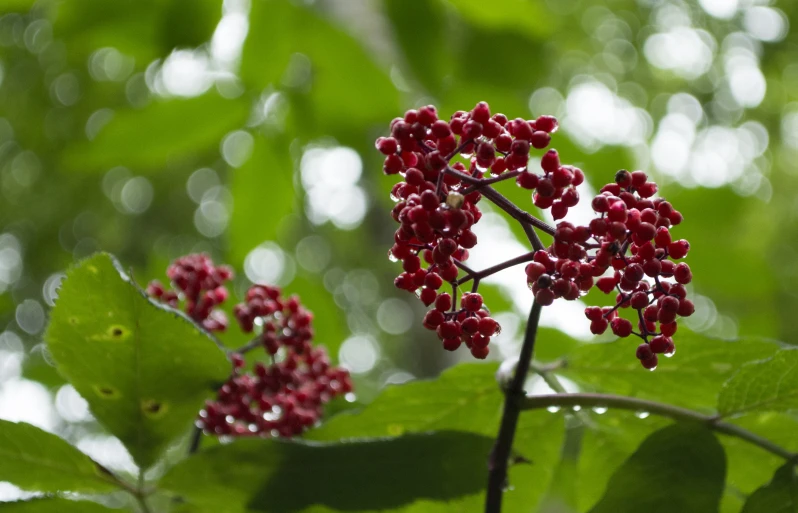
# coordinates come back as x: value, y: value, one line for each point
x: 167, y: 130
x: 53, y: 505
x: 465, y: 398
x: 768, y: 385
x: 778, y: 496
x: 366, y: 475
x: 692, y: 378
x: 144, y: 369
x: 679, y: 468
x: 33, y: 459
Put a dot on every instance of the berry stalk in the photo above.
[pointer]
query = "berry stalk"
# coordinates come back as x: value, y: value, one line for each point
x: 585, y: 400
x: 513, y: 398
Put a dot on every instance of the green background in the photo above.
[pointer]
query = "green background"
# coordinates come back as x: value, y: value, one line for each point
x: 153, y: 128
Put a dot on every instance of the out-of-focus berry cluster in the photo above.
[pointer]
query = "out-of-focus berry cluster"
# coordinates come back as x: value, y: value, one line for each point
x: 436, y: 206
x: 280, y: 398
x: 287, y: 396
x: 199, y: 285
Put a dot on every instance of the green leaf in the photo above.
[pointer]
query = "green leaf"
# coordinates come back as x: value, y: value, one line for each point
x: 608, y: 442
x: 142, y: 29
x: 335, y: 84
x: 53, y: 505
x: 692, y: 378
x: 679, y: 468
x: 779, y: 496
x: 165, y: 131
x: 521, y: 16
x: 420, y: 28
x: 145, y: 369
x: 267, y: 178
x: 768, y: 385
x: 380, y: 474
x: 464, y: 398
x: 33, y: 459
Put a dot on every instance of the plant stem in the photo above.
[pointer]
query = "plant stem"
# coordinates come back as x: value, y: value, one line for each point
x: 665, y: 410
x: 513, y: 397
x: 478, y: 275
x: 141, y: 496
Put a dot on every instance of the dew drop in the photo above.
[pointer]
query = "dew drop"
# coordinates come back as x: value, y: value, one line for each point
x: 577, y: 408
x: 601, y: 410
x: 669, y: 355
x: 350, y: 397
x: 466, y: 156
x: 642, y: 414
x: 652, y: 369
x: 553, y: 409
x: 394, y: 198
x: 392, y: 258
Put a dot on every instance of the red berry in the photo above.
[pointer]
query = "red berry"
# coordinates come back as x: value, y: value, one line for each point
x: 644, y: 352
x: 678, y: 249
x: 471, y: 302
x: 488, y: 326
x: 443, y: 302
x: 428, y: 296
x: 621, y: 327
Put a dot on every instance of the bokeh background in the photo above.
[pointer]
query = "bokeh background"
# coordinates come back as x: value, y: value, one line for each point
x: 245, y: 129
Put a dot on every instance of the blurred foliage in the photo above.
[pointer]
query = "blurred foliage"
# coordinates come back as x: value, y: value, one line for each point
x: 152, y: 128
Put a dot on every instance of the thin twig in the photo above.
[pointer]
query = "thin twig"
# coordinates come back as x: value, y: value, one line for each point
x: 497, y: 464
x: 141, y: 495
x: 478, y: 275
x: 665, y: 410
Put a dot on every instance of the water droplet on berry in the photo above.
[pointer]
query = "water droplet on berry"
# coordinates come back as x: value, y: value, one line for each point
x: 642, y: 414
x: 395, y: 198
x: 392, y: 258
x: 669, y: 355
x: 553, y: 409
x: 350, y: 397
x: 600, y: 410
x: 466, y: 156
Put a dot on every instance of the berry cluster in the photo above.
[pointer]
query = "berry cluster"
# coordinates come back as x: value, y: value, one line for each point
x: 199, y: 284
x: 629, y: 221
x: 437, y: 207
x: 284, y: 321
x: 437, y: 204
x: 285, y: 397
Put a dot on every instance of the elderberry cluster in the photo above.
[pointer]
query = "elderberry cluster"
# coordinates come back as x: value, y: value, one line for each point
x: 629, y: 221
x: 199, y: 284
x: 437, y: 203
x: 287, y: 396
x: 437, y: 206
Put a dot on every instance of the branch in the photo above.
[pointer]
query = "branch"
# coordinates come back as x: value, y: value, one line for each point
x: 474, y: 275
x: 514, y: 395
x: 665, y: 410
